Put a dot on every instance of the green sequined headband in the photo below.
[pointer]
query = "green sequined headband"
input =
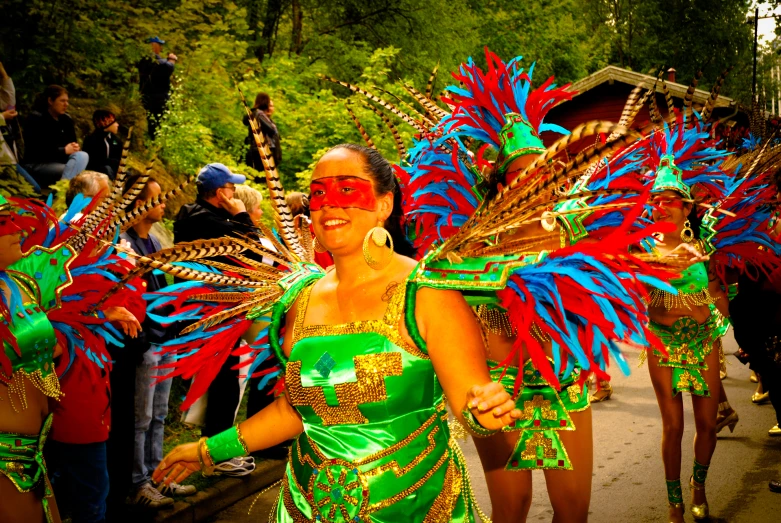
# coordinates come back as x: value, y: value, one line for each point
x: 670, y: 177
x: 517, y: 138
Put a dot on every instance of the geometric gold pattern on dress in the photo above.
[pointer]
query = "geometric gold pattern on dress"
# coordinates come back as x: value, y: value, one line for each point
x: 442, y: 508
x: 338, y: 497
x: 400, y: 471
x: 686, y: 381
x: 535, y: 442
x: 574, y: 391
x: 387, y: 502
x: 538, y: 402
x: 387, y: 327
x: 682, y: 354
x: 369, y: 387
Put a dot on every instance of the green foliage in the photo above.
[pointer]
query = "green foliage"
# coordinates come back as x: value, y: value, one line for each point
x: 92, y: 47
x: 691, y: 36
x: 12, y: 184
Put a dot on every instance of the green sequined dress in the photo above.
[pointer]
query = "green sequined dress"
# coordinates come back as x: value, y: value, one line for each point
x: 376, y: 446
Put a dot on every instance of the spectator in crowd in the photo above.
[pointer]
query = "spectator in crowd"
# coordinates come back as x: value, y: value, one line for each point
x: 88, y: 183
x: 9, y: 129
x: 251, y: 198
x: 216, y: 213
x: 155, y: 82
x: 76, y: 450
x: 51, y: 150
x: 298, y: 203
x: 261, y: 113
x: 103, y: 145
x: 151, y: 397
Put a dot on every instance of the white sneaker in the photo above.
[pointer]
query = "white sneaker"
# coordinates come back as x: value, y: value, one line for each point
x: 149, y: 496
x: 235, y: 467
x: 175, y: 489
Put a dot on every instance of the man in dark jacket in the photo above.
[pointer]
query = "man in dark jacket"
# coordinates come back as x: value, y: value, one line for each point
x: 51, y: 150
x: 155, y: 82
x: 103, y: 145
x: 215, y: 214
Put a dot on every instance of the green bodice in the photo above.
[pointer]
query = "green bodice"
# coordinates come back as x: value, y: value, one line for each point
x: 376, y: 446
x: 692, y: 289
x: 36, y: 341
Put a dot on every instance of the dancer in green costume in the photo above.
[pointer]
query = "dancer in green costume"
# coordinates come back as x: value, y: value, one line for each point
x: 368, y: 360
x: 36, y: 325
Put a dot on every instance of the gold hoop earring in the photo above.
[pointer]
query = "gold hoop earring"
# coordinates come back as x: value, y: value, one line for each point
x: 379, y: 237
x: 687, y: 234
x: 316, y: 245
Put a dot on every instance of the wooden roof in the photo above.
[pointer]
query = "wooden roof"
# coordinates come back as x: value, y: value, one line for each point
x: 611, y: 74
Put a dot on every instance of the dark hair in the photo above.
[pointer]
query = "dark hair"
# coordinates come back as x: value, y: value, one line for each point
x: 261, y: 101
x: 381, y: 172
x: 205, y: 194
x: 50, y: 93
x: 695, y: 221
x: 143, y: 195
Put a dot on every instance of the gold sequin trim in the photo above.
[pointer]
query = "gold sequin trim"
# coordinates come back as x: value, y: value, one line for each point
x: 682, y: 300
x: 388, y: 326
x: 495, y: 321
x: 687, y: 381
x: 369, y: 387
x: 442, y: 508
x: 48, y: 385
x: 400, y: 471
x: 387, y: 502
x: 290, y: 506
x: 538, y: 402
x: 539, y: 440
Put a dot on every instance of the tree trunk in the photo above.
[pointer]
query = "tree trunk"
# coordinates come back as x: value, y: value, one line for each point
x: 297, y: 16
x: 270, y: 23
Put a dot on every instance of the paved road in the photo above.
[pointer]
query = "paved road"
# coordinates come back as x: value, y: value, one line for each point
x: 628, y: 475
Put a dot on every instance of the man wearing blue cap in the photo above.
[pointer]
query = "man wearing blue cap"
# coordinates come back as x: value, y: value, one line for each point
x: 155, y: 82
x: 216, y: 213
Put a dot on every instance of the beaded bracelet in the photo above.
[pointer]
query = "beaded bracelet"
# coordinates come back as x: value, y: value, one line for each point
x: 226, y: 445
x: 474, y: 426
x: 206, y: 470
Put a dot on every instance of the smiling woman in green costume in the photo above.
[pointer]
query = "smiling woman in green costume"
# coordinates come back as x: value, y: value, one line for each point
x: 367, y: 365
x: 682, y: 157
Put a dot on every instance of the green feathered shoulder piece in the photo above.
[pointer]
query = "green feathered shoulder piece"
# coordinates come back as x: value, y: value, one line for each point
x: 302, y: 276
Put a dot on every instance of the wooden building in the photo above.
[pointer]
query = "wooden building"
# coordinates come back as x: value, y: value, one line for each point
x: 602, y: 95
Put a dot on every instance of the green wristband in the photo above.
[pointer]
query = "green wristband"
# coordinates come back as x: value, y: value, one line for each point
x: 226, y: 445
x: 474, y: 426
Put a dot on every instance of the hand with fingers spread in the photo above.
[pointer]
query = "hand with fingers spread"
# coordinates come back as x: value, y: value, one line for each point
x: 126, y: 320
x: 492, y: 406
x: 180, y: 464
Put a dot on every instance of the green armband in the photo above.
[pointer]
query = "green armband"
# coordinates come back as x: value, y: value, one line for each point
x: 474, y: 426
x: 226, y: 445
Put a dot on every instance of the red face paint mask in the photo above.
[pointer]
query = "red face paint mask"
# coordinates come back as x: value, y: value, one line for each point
x: 7, y: 226
x: 342, y: 191
x: 661, y: 202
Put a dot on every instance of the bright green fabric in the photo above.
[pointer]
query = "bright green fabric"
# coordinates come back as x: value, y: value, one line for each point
x: 376, y: 444
x: 544, y: 412
x: 693, y: 279
x: 21, y: 461
x: 687, y: 343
